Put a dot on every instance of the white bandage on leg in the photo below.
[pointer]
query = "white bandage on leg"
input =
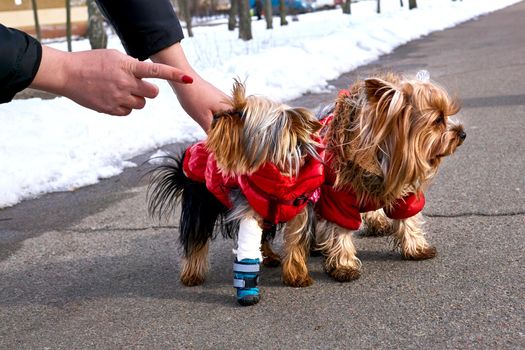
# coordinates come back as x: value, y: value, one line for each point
x: 249, y: 240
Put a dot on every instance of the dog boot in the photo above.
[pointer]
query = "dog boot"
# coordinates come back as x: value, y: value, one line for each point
x: 245, y: 280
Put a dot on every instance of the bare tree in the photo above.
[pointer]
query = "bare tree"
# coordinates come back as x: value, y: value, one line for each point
x: 245, y: 20
x: 37, y: 22
x: 234, y: 10
x: 378, y: 10
x: 282, y: 12
x: 98, y: 39
x: 186, y: 15
x: 68, y: 25
x: 347, y: 7
x: 268, y: 14
x: 412, y: 4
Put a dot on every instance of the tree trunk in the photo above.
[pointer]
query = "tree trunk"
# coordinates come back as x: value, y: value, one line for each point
x: 412, y: 4
x: 401, y: 3
x: 282, y: 13
x: 268, y: 14
x: 68, y: 25
x: 245, y: 20
x: 234, y: 10
x: 347, y: 7
x: 186, y: 15
x: 37, y: 22
x: 258, y: 9
x: 378, y: 10
x: 98, y: 38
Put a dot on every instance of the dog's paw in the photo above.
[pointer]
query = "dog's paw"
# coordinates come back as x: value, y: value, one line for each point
x: 191, y: 281
x: 424, y: 253
x: 271, y: 261
x: 343, y: 273
x: 298, y: 281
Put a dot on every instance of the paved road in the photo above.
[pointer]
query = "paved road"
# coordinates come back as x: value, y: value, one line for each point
x: 89, y: 270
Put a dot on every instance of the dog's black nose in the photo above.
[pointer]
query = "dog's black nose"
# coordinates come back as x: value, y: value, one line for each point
x: 462, y: 135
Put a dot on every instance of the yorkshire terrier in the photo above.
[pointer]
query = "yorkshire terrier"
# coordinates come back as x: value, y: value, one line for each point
x: 259, y: 167
x: 385, y: 138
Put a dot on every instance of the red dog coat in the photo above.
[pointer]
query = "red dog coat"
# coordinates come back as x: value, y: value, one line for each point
x: 279, y: 198
x: 274, y: 197
x: 343, y: 208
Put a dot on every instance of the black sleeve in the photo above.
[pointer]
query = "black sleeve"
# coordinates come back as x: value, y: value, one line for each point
x: 144, y: 26
x: 20, y: 56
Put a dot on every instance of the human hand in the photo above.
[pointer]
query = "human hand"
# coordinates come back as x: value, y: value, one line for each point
x: 201, y: 100
x: 106, y: 81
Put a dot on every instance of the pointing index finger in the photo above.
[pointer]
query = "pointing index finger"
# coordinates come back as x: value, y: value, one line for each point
x: 159, y: 71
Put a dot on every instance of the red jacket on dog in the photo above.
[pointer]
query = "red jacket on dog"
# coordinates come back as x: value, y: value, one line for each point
x: 274, y: 197
x: 343, y: 208
x: 279, y: 198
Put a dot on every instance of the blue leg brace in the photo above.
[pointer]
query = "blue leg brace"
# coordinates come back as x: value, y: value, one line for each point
x: 245, y: 280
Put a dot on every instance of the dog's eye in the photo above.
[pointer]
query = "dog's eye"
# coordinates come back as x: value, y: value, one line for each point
x: 440, y: 120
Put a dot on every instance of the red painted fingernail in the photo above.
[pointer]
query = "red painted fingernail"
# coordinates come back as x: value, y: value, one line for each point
x: 187, y: 79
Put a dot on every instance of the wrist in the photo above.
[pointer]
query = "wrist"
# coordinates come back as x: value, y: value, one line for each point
x: 173, y: 56
x: 52, y: 73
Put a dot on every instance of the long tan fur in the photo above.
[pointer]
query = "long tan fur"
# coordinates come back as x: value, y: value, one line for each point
x: 387, y: 139
x: 296, y: 249
x: 258, y: 130
x: 389, y: 135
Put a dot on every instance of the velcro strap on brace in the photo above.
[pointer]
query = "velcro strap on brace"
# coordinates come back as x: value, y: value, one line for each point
x: 246, y: 282
x: 249, y: 268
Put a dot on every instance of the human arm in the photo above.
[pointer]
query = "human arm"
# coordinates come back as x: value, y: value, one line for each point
x: 200, y: 99
x: 19, y: 61
x: 106, y: 81
x: 103, y: 80
x: 150, y: 29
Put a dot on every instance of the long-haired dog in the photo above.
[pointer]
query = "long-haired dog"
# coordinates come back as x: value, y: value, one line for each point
x: 385, y: 138
x: 258, y: 168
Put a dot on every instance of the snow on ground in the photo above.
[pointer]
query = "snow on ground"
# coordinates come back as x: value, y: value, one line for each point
x: 56, y: 145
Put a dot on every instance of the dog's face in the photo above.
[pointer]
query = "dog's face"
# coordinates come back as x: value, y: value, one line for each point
x: 258, y: 130
x: 397, y: 132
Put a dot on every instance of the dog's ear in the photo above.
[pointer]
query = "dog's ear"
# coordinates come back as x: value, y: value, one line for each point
x: 304, y: 121
x: 225, y: 140
x: 304, y: 125
x: 238, y: 100
x: 386, y: 98
x: 376, y: 88
x: 225, y: 137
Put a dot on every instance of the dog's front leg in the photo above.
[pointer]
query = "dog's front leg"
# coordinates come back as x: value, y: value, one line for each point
x: 409, y: 237
x: 296, y: 249
x: 246, y: 267
x: 377, y: 224
x: 341, y: 262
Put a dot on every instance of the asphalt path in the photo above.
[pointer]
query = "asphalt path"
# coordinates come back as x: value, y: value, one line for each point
x: 89, y: 269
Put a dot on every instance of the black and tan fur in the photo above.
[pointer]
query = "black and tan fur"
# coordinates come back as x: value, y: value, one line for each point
x: 254, y: 131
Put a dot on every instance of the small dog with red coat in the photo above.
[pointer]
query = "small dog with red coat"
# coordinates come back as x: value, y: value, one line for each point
x: 384, y: 140
x: 258, y: 168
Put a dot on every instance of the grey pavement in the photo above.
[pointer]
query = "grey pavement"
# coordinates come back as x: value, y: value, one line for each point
x: 89, y: 269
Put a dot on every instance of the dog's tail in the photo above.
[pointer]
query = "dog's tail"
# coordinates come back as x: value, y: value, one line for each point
x: 199, y: 209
